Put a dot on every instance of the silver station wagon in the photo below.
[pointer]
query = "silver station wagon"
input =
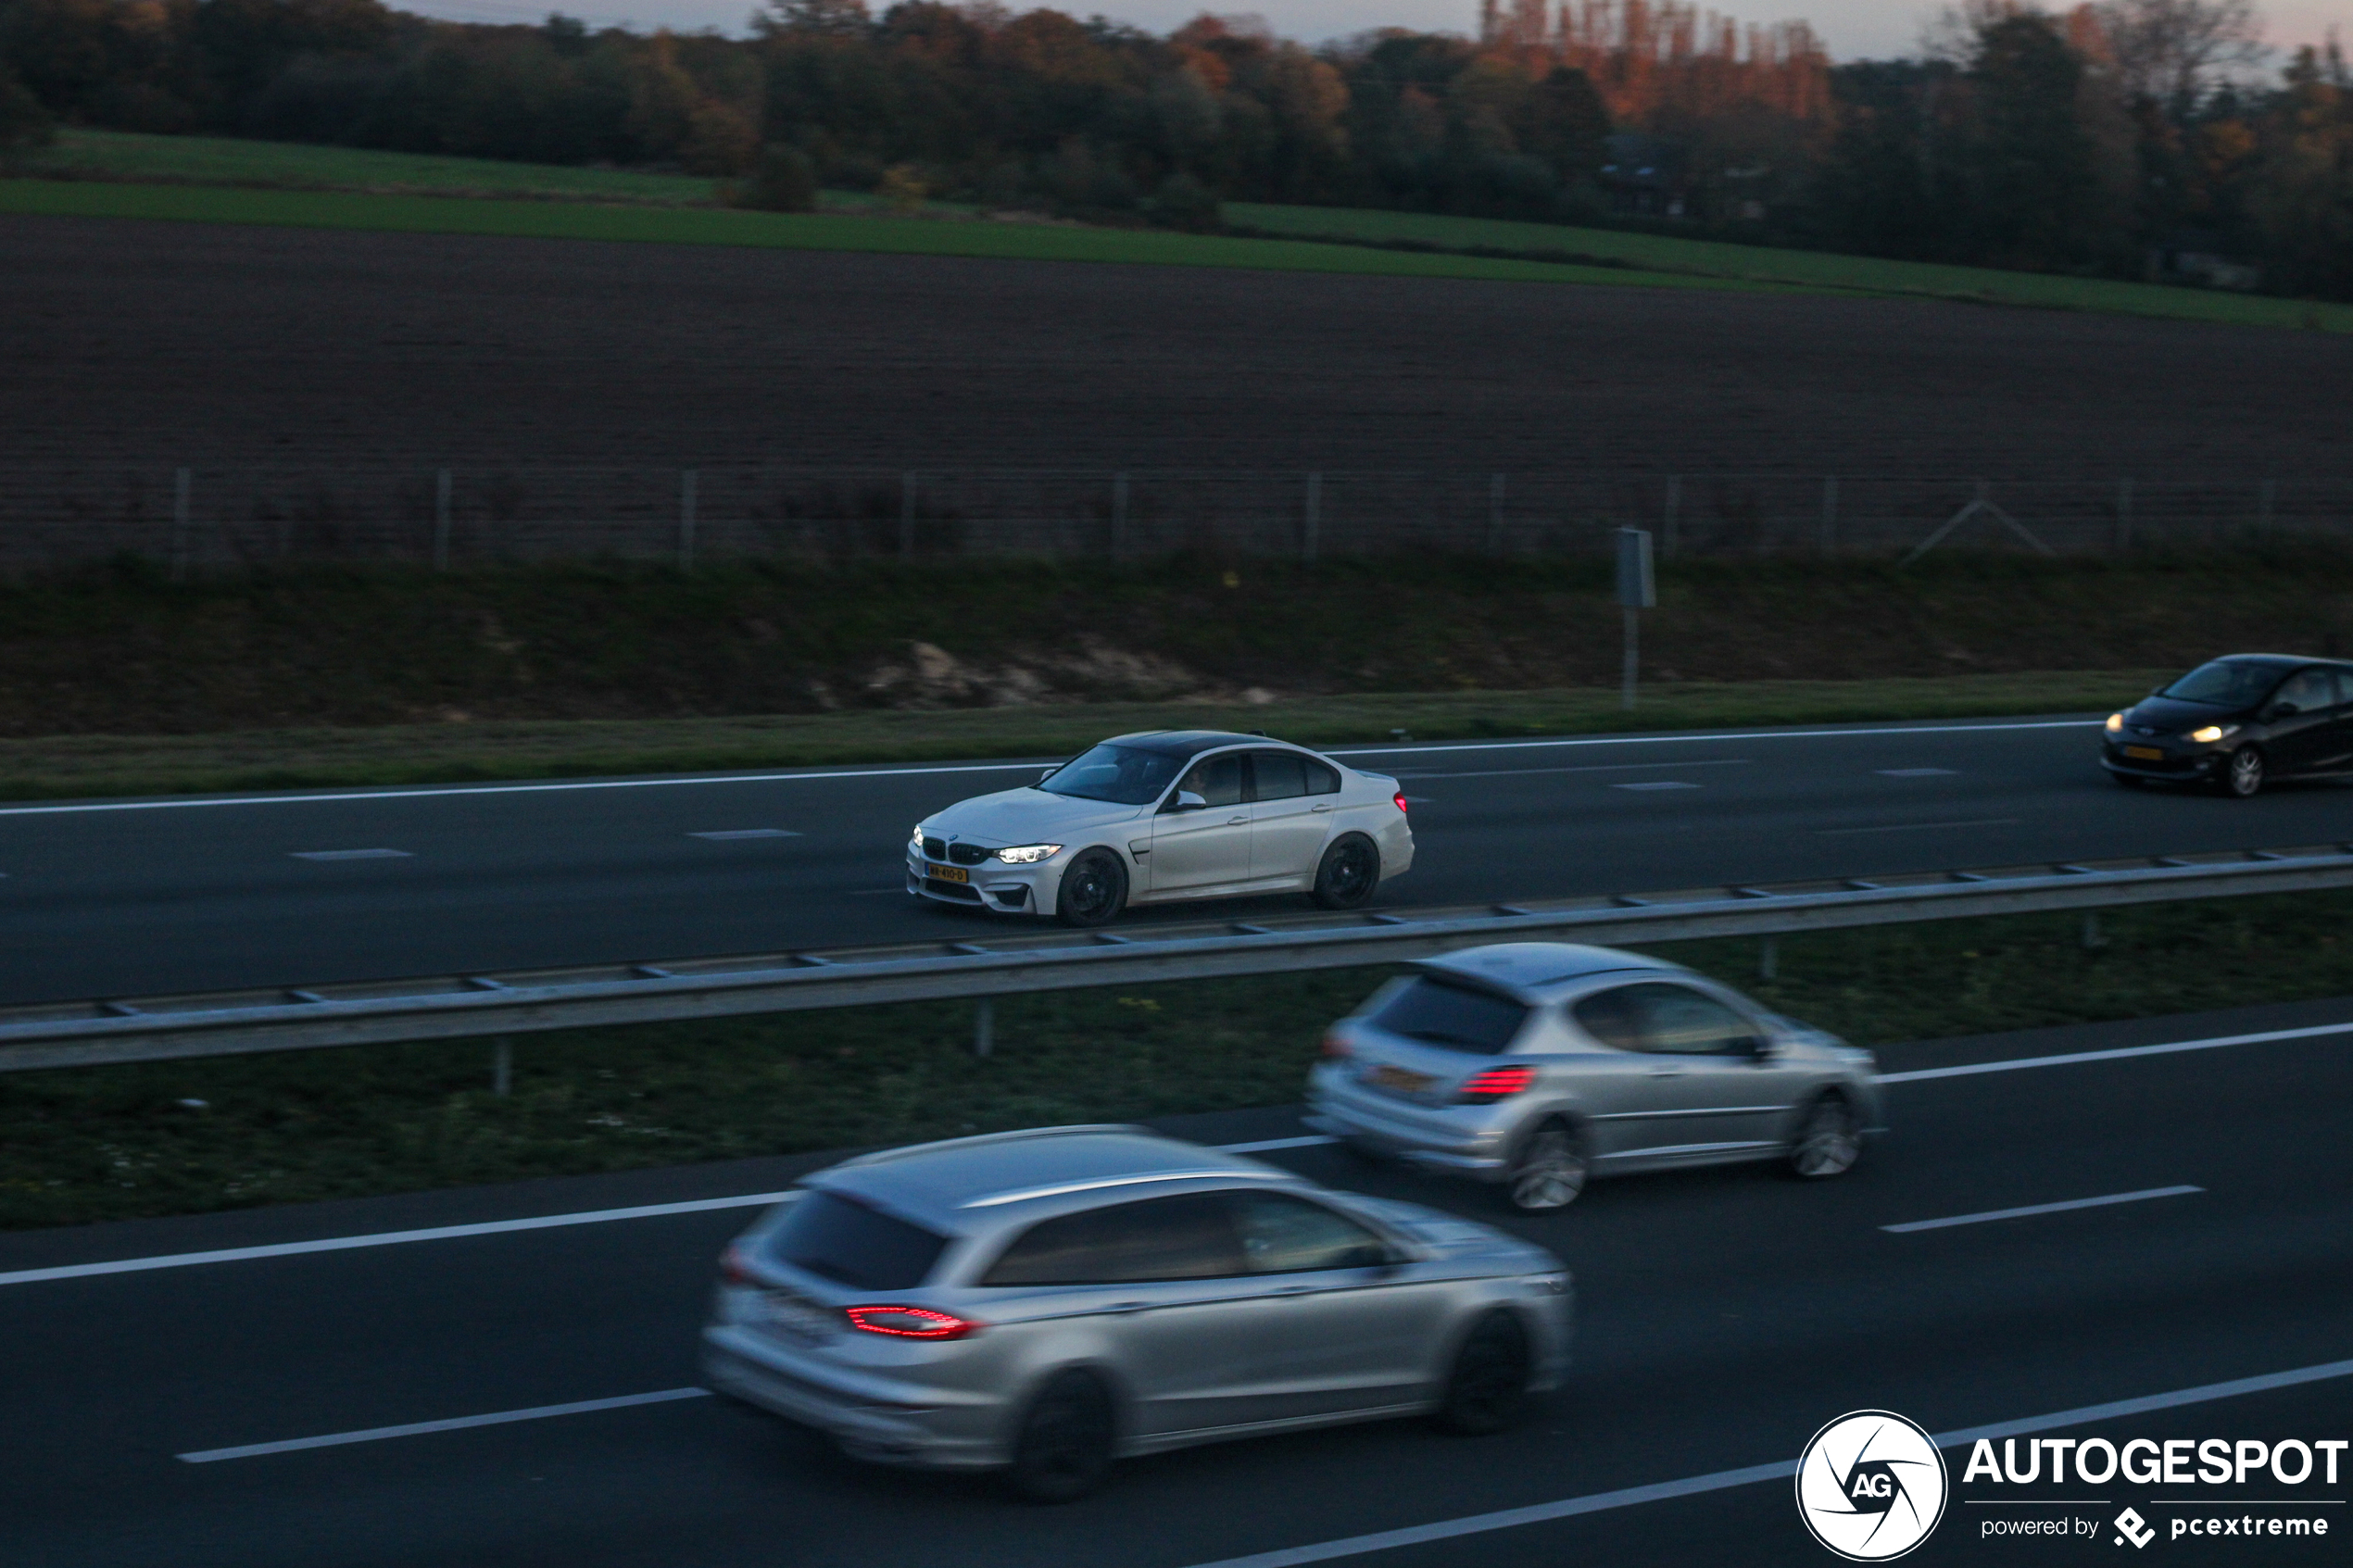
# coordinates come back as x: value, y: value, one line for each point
x: 1538, y: 1064
x: 1045, y: 1302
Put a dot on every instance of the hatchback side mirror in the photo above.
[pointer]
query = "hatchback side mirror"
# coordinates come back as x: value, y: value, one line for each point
x: 1187, y: 801
x: 1763, y: 1050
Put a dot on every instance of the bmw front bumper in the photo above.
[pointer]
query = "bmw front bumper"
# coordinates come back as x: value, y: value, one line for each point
x: 1013, y: 890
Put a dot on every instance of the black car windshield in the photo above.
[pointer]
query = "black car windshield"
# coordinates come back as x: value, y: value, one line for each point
x: 1124, y: 775
x: 2226, y: 682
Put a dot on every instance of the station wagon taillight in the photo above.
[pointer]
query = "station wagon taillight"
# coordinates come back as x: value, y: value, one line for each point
x: 1335, y: 1048
x: 910, y: 1323
x: 1495, y: 1084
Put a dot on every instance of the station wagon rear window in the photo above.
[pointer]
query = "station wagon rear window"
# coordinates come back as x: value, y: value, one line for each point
x: 844, y: 1240
x: 1439, y: 1012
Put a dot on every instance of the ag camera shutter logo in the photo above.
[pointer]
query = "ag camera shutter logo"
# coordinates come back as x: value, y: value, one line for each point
x: 1871, y: 1485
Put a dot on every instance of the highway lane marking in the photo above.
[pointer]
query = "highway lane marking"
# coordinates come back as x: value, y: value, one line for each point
x: 700, y: 1205
x: 1915, y: 772
x: 1589, y: 767
x: 722, y: 836
x: 1724, y: 1480
x: 1657, y: 783
x: 935, y: 769
x: 1919, y: 827
x: 455, y: 1424
x: 2031, y: 1209
x: 350, y: 854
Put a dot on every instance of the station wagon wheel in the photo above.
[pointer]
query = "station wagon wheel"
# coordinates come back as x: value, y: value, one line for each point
x: 1828, y: 1144
x: 1348, y: 872
x: 1094, y: 890
x: 1487, y: 1386
x: 1552, y: 1170
x: 1063, y: 1447
x: 2243, y: 774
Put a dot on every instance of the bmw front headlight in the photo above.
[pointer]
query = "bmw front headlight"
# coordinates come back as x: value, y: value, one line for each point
x: 915, y: 839
x: 2213, y: 733
x: 2115, y: 722
x: 1028, y: 854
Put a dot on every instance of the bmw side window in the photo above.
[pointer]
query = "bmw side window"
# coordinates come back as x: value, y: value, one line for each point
x: 1323, y: 780
x: 1608, y: 1016
x: 1282, y: 1234
x: 1278, y: 775
x: 1677, y: 1020
x: 1161, y: 1239
x: 1217, y: 779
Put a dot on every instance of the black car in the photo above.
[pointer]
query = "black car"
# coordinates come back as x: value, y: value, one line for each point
x: 2235, y: 723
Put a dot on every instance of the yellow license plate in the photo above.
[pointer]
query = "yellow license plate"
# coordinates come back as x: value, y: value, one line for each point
x: 948, y: 873
x: 2144, y: 753
x: 1398, y: 1081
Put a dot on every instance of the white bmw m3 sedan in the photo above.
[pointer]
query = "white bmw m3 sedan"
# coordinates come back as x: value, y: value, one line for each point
x: 1163, y: 816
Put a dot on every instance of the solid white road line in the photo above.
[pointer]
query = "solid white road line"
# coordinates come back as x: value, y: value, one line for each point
x: 1590, y: 768
x: 1657, y: 783
x: 1910, y: 1225
x: 455, y: 1424
x: 1723, y: 1480
x: 350, y: 854
x: 650, y: 1210
x: 722, y: 836
x: 1915, y: 772
x: 2120, y: 1053
x: 928, y: 769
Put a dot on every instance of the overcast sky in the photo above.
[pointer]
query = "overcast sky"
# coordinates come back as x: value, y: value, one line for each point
x: 1854, y: 29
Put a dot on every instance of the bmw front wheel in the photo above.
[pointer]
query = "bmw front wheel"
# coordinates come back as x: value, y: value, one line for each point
x: 1094, y: 890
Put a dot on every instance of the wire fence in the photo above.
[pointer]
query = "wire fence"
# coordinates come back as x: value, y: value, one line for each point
x: 210, y: 519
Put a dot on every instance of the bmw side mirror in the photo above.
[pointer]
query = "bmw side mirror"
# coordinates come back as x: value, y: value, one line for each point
x: 1187, y: 801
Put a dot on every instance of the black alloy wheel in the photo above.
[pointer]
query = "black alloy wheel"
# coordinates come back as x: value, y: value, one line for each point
x: 2242, y: 773
x: 1348, y: 874
x: 1065, y: 1445
x: 1487, y: 1387
x: 1094, y: 890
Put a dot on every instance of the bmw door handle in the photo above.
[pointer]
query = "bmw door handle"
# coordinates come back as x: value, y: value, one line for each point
x: 1319, y: 808
x: 1666, y: 1072
x: 1295, y: 1291
x: 1126, y: 1307
x: 1237, y: 821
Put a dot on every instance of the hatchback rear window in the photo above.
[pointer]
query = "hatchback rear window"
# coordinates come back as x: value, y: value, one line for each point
x: 845, y: 1241
x: 1443, y: 1012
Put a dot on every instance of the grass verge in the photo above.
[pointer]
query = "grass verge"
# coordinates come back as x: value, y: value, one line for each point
x: 1767, y: 265
x: 66, y: 766
x: 123, y: 1142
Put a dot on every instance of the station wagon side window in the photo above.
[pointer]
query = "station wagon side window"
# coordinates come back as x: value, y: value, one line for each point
x: 1283, y: 1235
x: 1188, y: 1236
x: 1217, y: 779
x: 1279, y: 775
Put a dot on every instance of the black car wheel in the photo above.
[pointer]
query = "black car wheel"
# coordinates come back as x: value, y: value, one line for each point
x: 2243, y: 774
x: 1094, y: 890
x: 1487, y: 1386
x: 1064, y: 1447
x: 1348, y: 872
x: 1828, y: 1144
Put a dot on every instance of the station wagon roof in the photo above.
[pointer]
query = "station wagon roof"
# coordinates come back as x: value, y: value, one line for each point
x: 1536, y: 967
x: 949, y: 1185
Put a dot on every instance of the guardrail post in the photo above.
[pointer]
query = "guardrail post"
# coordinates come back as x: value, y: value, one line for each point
x: 983, y: 1028
x: 181, y: 485
x: 441, y: 522
x: 687, y: 483
x: 1769, y: 958
x: 1670, y: 535
x: 1118, y: 515
x: 1314, y: 517
x: 502, y: 1066
x: 2094, y: 936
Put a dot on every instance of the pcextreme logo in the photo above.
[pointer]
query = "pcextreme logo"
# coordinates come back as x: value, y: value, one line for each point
x: 1870, y: 1485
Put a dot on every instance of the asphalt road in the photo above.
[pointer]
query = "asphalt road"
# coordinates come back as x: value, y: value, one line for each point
x: 1724, y: 1317
x: 101, y: 900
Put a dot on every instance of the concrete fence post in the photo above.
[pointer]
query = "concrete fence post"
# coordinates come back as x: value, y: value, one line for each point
x: 2123, y: 515
x: 441, y: 522
x: 181, y: 484
x: 1671, y: 536
x: 1830, y: 515
x: 1118, y: 515
x: 907, y: 515
x: 1307, y: 538
x: 1495, y: 514
x: 686, y: 485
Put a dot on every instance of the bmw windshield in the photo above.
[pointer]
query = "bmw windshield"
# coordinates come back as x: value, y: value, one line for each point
x: 2225, y: 683
x: 1124, y: 775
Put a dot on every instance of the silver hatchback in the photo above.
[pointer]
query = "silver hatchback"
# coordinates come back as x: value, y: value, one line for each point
x: 1538, y: 1064
x: 1045, y: 1302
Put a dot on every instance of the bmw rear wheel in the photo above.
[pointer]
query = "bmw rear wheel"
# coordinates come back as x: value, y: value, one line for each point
x: 1487, y: 1386
x: 1094, y: 890
x: 1065, y: 1445
x: 1347, y: 875
x: 1828, y: 1144
x: 2243, y: 774
x: 1551, y: 1171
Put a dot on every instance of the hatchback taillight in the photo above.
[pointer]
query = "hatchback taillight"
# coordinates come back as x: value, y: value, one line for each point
x: 910, y: 1323
x: 1495, y: 1084
x: 1335, y: 1048
x: 732, y: 1269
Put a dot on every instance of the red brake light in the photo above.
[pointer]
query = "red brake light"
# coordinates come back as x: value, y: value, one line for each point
x: 910, y: 1323
x: 1400, y: 799
x: 732, y: 1269
x: 1496, y: 1082
x: 1335, y: 1048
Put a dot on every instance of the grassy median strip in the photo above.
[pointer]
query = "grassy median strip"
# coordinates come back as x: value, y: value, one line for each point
x: 185, y: 1137
x: 60, y: 767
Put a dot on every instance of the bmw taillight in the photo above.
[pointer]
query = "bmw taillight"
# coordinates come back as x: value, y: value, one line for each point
x: 1400, y: 799
x: 910, y: 1323
x: 1495, y: 1084
x: 1335, y: 1048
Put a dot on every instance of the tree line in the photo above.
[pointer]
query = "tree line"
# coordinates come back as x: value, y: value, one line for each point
x: 2123, y: 138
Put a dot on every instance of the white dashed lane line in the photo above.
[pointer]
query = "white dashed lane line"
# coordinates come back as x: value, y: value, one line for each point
x: 722, y: 836
x: 351, y: 855
x: 1657, y: 783
x: 1597, y: 768
x: 1917, y: 772
x: 453, y: 1423
x: 2033, y: 1209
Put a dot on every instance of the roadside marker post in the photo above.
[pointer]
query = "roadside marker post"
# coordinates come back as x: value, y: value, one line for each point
x: 441, y: 522
x: 1637, y: 591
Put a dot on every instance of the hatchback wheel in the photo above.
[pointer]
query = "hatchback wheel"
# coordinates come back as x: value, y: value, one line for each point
x: 2243, y: 774
x: 1064, y: 1447
x: 1828, y: 1144
x: 1487, y: 1386
x: 1094, y: 890
x: 1552, y: 1170
x: 1348, y: 874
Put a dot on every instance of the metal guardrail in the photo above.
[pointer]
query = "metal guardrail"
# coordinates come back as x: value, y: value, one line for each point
x: 994, y: 960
